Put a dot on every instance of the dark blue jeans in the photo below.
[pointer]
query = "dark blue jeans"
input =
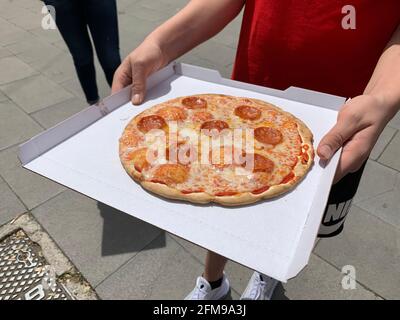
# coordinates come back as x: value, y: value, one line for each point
x: 74, y: 19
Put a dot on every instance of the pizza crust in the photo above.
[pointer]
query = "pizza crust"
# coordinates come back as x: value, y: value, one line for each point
x: 300, y: 171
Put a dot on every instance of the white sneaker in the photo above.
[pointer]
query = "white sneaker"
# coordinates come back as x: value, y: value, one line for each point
x: 203, y: 290
x: 258, y: 289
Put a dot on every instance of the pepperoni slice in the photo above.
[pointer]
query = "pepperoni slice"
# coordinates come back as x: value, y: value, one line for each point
x: 172, y: 113
x: 262, y: 164
x: 139, y: 158
x: 268, y: 135
x: 194, y: 103
x: 171, y: 174
x: 248, y: 112
x: 151, y: 122
x: 202, y: 116
x: 214, y: 125
x: 258, y: 163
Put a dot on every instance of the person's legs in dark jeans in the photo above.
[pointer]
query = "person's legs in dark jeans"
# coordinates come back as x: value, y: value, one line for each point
x: 71, y: 22
x: 103, y: 24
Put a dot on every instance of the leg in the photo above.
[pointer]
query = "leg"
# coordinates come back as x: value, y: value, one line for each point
x: 72, y: 25
x: 213, y: 285
x: 214, y: 268
x: 103, y: 23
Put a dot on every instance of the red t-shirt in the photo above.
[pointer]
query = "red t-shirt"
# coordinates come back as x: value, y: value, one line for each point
x: 302, y: 43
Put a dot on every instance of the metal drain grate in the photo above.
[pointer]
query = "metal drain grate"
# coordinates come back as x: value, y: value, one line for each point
x: 24, y: 273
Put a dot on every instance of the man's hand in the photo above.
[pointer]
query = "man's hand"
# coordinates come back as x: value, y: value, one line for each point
x: 359, y: 124
x: 137, y: 66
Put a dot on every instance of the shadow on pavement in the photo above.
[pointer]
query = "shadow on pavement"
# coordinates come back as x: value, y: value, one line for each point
x: 123, y: 233
x: 279, y: 293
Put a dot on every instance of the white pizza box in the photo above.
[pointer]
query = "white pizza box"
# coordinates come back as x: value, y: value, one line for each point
x: 274, y: 237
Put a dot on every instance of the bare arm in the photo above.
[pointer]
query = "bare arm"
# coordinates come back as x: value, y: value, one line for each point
x: 361, y: 120
x: 194, y: 24
x: 385, y: 82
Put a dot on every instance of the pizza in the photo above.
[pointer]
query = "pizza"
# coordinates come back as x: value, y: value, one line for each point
x: 216, y: 148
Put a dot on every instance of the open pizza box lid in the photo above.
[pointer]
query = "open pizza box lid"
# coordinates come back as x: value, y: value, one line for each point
x: 274, y: 237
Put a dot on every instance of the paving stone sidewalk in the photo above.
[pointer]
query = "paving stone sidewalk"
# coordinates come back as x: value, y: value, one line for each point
x: 124, y: 258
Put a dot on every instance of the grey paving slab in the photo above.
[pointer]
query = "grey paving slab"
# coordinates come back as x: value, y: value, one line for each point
x: 97, y: 238
x: 395, y: 122
x: 34, y: 6
x: 26, y: 19
x: 227, y: 72
x: 31, y: 188
x: 230, y: 34
x: 196, y: 251
x: 376, y: 180
x: 128, y: 44
x: 391, y: 155
x: 60, y: 44
x: 135, y: 27
x: 73, y: 85
x: 193, y: 59
x: 3, y: 97
x: 10, y: 10
x: 53, y: 115
x: 382, y: 142
x: 48, y: 35
x: 35, y: 93
x: 4, y: 52
x: 126, y: 5
x: 15, y: 125
x: 166, y: 272
x: 163, y: 6
x: 372, y: 247
x: 239, y: 277
x: 148, y: 14
x: 218, y: 54
x: 385, y: 206
x: 320, y: 281
x: 9, y: 33
x: 33, y: 49
x: 58, y: 68
x: 10, y: 205
x: 13, y: 69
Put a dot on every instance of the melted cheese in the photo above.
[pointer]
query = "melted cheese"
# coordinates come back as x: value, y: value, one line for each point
x: 212, y: 179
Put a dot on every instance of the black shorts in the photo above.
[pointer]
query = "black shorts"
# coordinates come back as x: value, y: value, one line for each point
x: 339, y: 202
